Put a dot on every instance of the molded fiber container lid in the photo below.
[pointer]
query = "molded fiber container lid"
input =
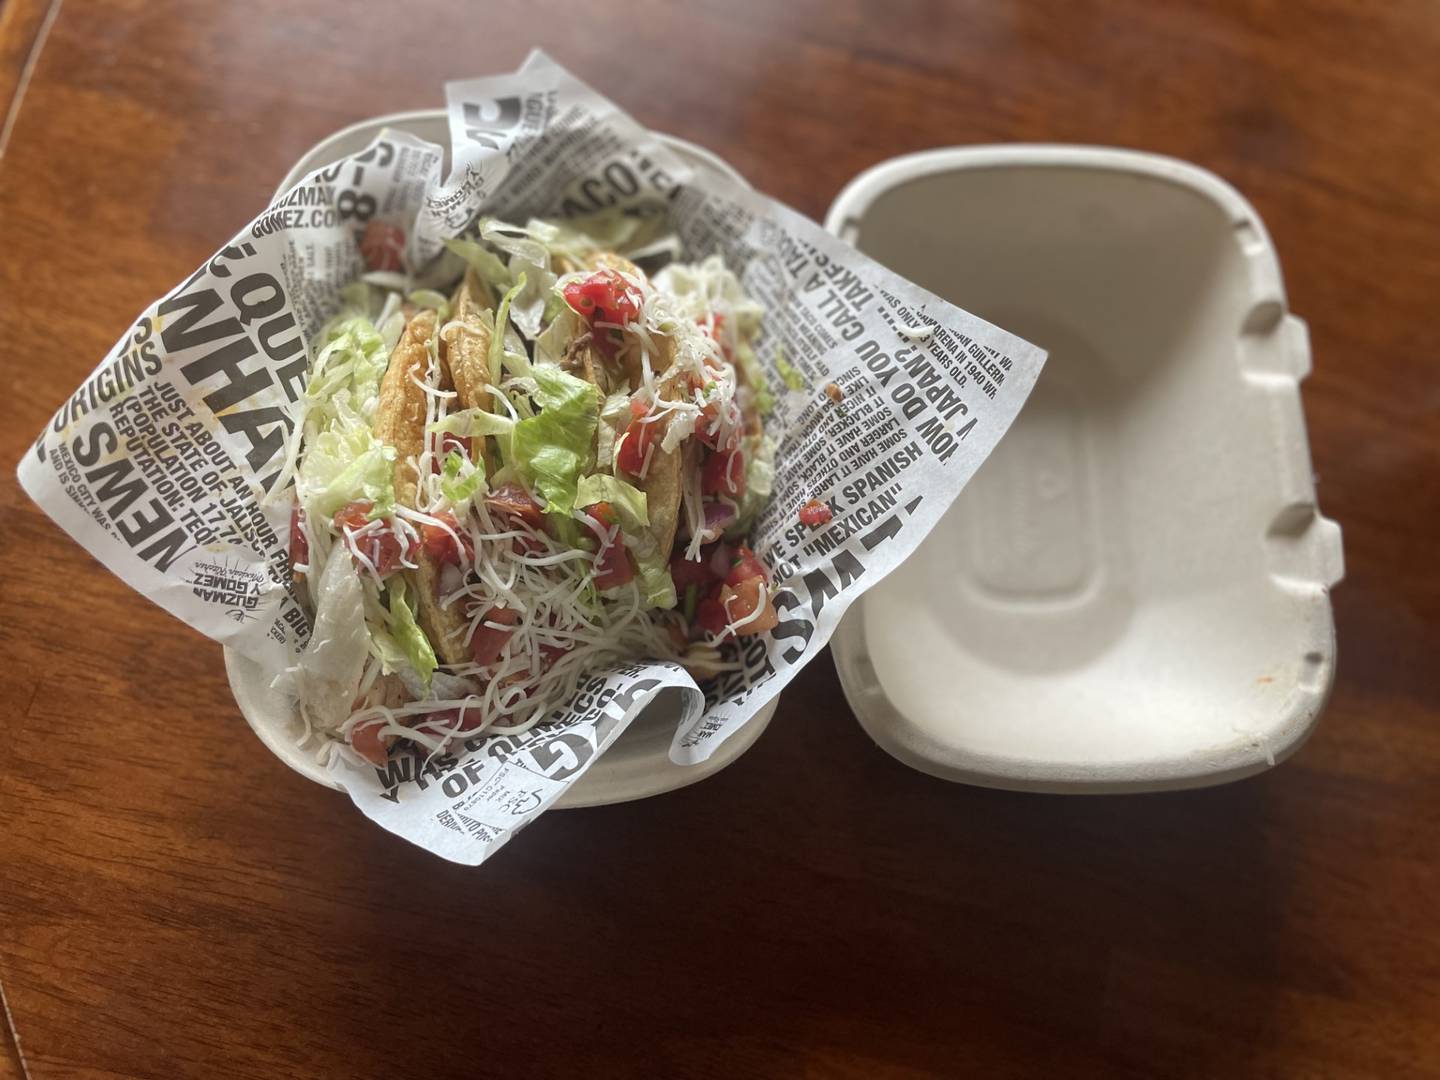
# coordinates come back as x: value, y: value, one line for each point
x: 1133, y: 592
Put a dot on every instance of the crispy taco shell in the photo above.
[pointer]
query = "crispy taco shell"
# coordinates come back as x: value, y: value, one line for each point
x: 445, y: 627
x: 400, y: 423
x: 465, y: 343
x: 663, y: 482
x: 608, y: 260
x: 400, y: 410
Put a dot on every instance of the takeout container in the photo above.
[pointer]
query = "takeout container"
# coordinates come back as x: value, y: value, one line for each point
x: 1133, y: 592
x: 638, y: 764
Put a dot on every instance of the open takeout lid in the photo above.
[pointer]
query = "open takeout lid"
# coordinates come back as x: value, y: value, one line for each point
x: 1133, y: 592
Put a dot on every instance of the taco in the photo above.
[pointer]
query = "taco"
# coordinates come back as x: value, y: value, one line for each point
x: 546, y: 469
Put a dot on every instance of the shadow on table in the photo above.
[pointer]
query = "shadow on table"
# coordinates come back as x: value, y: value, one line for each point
x: 821, y: 906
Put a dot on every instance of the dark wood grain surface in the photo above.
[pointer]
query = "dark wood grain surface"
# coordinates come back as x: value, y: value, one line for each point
x: 175, y: 903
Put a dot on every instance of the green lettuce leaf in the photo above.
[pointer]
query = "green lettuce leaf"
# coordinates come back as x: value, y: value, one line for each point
x: 652, y: 569
x: 387, y: 649
x: 498, y: 356
x: 342, y: 465
x: 460, y: 481
x: 407, y: 633
x: 484, y: 261
x: 657, y: 587
x: 529, y: 265
x: 347, y: 371
x: 429, y: 298
x: 550, y: 346
x: 357, y: 299
x: 553, y: 448
x: 468, y: 423
x: 627, y: 500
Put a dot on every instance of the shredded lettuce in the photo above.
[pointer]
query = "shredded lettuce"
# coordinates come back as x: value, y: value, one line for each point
x: 460, y: 481
x: 347, y: 370
x: 526, y: 243
x: 392, y: 326
x: 759, y: 481
x: 467, y: 423
x: 555, y: 338
x: 429, y: 298
x: 555, y: 306
x: 709, y: 285
x: 344, y: 461
x: 567, y: 532
x: 553, y: 448
x: 484, y: 262
x: 657, y: 587
x: 477, y: 423
x: 529, y: 265
x: 614, y: 419
x: 627, y: 500
x: 499, y: 357
x: 328, y: 673
x: 387, y: 649
x: 652, y: 569
x: 357, y: 300
x: 578, y: 238
x: 345, y: 464
x: 406, y: 631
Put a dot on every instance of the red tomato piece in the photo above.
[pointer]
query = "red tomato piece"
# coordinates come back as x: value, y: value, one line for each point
x: 551, y: 653
x: 512, y: 499
x: 604, y: 297
x: 444, y: 548
x: 355, y: 515
x: 383, y: 245
x: 714, y: 328
x: 636, y: 441
x: 612, y: 567
x: 724, y: 474
x: 448, y: 442
x: 441, y: 721
x: 488, y: 642
x: 815, y: 513
x: 747, y: 566
x: 367, y: 741
x: 382, y: 549
x: 710, y: 615
x: 705, y: 427
x: 604, y: 513
x: 744, y: 600
x: 686, y: 572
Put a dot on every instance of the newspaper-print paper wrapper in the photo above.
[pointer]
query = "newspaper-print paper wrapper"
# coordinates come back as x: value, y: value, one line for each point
x: 160, y: 463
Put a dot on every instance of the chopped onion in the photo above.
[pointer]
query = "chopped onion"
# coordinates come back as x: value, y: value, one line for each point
x: 720, y: 560
x: 718, y: 516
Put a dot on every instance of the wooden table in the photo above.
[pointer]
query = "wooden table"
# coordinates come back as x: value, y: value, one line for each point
x: 174, y: 903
